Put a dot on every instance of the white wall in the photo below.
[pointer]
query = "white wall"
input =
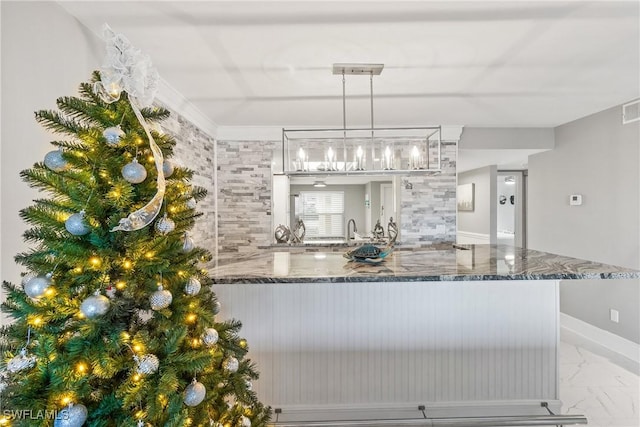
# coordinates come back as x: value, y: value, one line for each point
x: 506, y: 138
x: 482, y: 220
x: 46, y: 54
x: 597, y: 157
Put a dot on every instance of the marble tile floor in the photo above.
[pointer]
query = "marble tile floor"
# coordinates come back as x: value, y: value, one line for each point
x: 591, y: 385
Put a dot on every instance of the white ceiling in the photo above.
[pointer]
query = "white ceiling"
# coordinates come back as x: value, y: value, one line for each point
x: 505, y: 63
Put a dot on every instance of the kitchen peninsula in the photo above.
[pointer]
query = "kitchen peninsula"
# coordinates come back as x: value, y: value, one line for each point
x: 464, y: 331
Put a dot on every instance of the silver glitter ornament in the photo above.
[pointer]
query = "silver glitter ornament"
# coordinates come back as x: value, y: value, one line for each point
x: 54, y: 161
x: 245, y: 422
x: 165, y: 225
x: 113, y: 135
x: 191, y: 203
x: 231, y: 364
x: 71, y: 416
x: 28, y: 276
x: 147, y: 364
x: 94, y: 306
x: 36, y: 286
x: 160, y: 299
x: 187, y: 243
x: 192, y: 287
x: 21, y: 362
x: 216, y: 307
x: 167, y: 168
x: 76, y: 225
x: 134, y: 172
x: 194, y: 393
x: 210, y: 337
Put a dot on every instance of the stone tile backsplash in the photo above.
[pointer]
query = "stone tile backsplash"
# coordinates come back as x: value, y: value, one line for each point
x: 195, y: 150
x: 428, y: 208
x: 244, y: 196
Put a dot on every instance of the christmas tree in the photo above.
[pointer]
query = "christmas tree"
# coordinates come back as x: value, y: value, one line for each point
x: 114, y: 324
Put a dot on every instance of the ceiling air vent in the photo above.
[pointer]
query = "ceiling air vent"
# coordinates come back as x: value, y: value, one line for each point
x: 631, y: 112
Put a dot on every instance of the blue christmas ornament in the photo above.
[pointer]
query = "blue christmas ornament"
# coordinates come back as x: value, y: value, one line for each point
x: 76, y: 225
x: 134, y: 172
x: 71, y: 416
x: 113, y: 135
x: 167, y: 168
x: 54, y: 161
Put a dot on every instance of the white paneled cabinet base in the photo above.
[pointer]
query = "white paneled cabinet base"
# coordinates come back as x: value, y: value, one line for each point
x: 381, y: 349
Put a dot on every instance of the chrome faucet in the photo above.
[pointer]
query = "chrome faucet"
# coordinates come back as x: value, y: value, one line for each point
x: 349, y: 228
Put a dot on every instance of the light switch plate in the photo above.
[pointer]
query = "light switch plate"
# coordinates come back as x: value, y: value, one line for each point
x: 614, y: 315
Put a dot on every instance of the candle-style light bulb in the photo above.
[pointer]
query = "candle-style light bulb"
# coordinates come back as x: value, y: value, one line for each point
x: 301, y: 159
x: 359, y: 156
x: 415, y: 158
x: 330, y: 155
x: 387, y: 157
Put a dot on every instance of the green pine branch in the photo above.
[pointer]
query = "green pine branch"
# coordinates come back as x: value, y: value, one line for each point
x: 57, y: 122
x: 80, y: 110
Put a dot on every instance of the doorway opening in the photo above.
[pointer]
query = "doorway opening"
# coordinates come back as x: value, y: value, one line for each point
x: 511, y: 209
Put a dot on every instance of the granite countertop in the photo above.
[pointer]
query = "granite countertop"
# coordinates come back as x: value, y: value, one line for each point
x: 462, y: 262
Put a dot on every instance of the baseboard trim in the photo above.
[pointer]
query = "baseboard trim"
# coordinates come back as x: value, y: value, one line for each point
x: 620, y: 351
x: 470, y: 238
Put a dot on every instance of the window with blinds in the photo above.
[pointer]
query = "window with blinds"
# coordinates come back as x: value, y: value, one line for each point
x: 322, y: 213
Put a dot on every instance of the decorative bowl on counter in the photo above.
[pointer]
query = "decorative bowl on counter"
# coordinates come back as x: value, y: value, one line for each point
x: 369, y: 254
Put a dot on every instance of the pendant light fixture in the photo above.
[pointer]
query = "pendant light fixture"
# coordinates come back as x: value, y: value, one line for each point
x: 361, y: 151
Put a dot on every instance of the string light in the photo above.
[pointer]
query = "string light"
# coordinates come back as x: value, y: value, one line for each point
x: 120, y: 285
x: 114, y: 90
x: 35, y: 321
x: 191, y: 317
x: 66, y: 399
x: 149, y: 254
x: 242, y: 343
x: 195, y: 343
x: 127, y: 264
x: 95, y: 261
x: 125, y: 337
x: 138, y: 348
x: 77, y: 270
x: 136, y: 377
x: 81, y: 368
